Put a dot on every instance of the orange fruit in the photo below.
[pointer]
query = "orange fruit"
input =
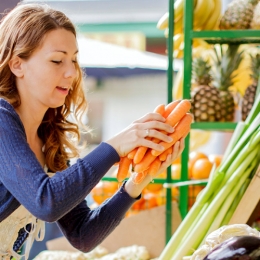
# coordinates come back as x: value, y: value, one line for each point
x: 150, y: 201
x: 215, y: 159
x: 109, y: 187
x: 104, y: 190
x: 98, y: 193
x: 138, y: 205
x: 154, y: 187
x: 201, y: 169
x: 161, y: 197
x: 195, y: 155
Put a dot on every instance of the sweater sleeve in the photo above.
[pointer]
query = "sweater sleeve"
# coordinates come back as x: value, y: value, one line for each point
x: 21, y: 174
x: 85, y: 228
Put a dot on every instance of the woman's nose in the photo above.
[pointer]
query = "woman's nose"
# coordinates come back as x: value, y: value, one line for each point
x: 71, y: 71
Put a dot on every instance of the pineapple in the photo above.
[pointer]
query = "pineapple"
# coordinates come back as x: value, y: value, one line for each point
x: 205, y: 99
x: 250, y: 93
x: 225, y: 63
x: 255, y: 23
x: 238, y: 15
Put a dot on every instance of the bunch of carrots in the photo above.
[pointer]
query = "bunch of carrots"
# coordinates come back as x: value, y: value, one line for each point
x: 144, y: 160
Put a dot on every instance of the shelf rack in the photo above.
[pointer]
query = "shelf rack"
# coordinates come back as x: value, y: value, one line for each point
x: 212, y: 37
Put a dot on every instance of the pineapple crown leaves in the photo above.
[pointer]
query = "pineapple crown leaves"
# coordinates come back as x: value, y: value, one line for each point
x: 201, y: 71
x: 226, y: 62
x: 255, y: 66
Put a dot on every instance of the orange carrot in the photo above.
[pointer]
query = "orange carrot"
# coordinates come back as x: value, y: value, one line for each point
x: 178, y: 112
x: 181, y: 130
x: 139, y: 155
x: 169, y: 107
x: 145, y: 163
x: 154, y: 167
x: 123, y: 168
x: 160, y: 109
x: 131, y: 154
x: 163, y: 156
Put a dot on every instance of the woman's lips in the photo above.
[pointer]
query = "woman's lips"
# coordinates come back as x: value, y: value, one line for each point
x: 63, y: 90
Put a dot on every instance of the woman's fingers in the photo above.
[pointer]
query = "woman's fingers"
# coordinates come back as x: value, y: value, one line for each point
x: 177, y: 150
x: 150, y: 117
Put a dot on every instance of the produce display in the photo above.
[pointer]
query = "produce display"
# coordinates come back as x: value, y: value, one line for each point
x: 227, y: 183
x: 154, y: 194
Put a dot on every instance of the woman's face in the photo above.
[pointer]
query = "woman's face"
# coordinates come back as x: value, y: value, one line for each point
x: 49, y: 72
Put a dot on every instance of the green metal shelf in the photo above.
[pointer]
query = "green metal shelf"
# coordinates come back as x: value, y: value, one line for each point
x: 212, y: 37
x: 224, y: 126
x: 228, y: 36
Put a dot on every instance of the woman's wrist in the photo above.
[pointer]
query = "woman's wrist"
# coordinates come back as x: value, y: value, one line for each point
x: 133, y: 189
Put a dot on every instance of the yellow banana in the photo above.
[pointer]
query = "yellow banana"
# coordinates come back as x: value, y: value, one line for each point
x: 178, y: 28
x: 178, y: 54
x: 198, y: 138
x: 178, y: 9
x: 177, y: 40
x: 201, y: 13
x: 163, y: 22
x: 211, y: 23
x: 178, y: 85
x: 199, y: 43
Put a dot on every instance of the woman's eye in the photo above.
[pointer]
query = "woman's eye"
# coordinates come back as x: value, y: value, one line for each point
x: 56, y: 61
x: 74, y: 61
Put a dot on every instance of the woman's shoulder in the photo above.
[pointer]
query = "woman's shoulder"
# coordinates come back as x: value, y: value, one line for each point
x: 8, y: 115
x: 7, y: 111
x: 4, y: 104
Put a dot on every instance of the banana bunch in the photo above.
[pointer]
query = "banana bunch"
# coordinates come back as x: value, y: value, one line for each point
x: 206, y: 17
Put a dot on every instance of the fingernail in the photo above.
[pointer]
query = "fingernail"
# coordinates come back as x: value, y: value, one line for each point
x: 170, y: 139
x: 161, y: 147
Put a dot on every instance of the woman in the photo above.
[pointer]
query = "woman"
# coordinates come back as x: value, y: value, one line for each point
x: 40, y: 82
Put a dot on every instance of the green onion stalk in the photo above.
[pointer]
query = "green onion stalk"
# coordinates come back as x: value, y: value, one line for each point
x: 197, y: 234
x: 210, y: 208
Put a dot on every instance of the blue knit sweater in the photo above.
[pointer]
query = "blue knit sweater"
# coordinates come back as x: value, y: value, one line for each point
x: 62, y: 197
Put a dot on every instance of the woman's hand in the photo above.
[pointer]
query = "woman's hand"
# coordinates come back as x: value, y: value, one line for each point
x: 150, y: 125
x: 134, y: 190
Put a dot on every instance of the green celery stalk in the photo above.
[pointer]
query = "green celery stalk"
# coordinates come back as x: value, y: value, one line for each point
x: 189, y: 220
x: 241, y: 142
x: 241, y: 126
x: 227, y: 204
x: 244, y: 152
x: 198, y: 232
x: 235, y: 203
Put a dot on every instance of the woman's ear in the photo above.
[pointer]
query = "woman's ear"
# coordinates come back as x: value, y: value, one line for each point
x: 15, y: 65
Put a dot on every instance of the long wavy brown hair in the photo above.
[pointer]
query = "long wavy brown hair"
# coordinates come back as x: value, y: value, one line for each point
x: 21, y: 32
